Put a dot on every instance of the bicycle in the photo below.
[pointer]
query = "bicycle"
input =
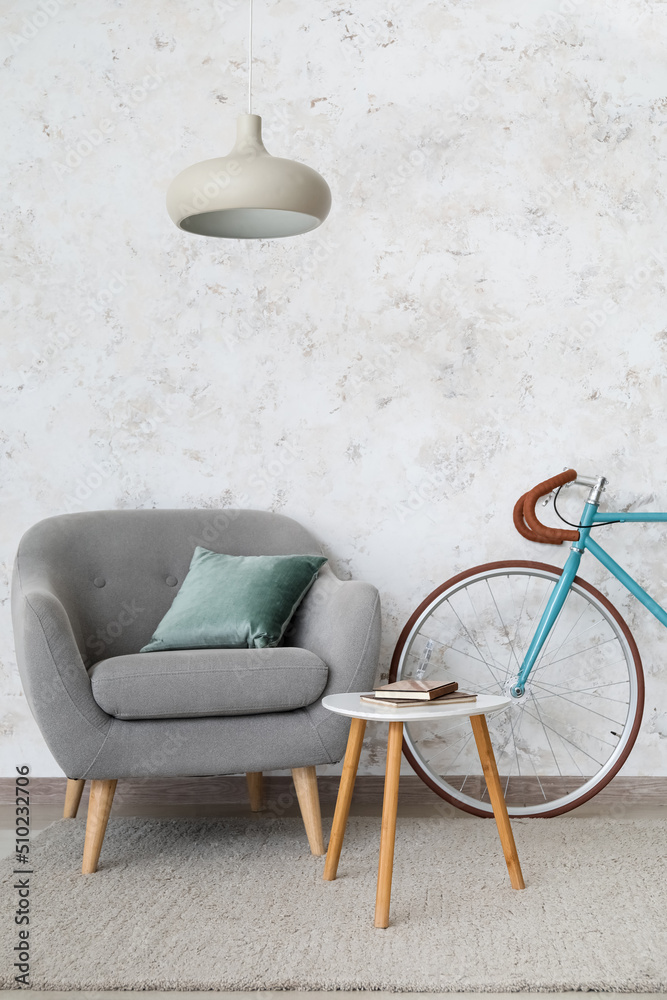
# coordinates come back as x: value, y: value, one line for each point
x: 550, y: 640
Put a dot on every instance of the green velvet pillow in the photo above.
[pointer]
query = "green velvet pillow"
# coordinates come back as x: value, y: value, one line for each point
x: 232, y: 602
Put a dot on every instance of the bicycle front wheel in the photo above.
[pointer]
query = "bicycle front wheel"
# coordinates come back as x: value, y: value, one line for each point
x: 572, y: 730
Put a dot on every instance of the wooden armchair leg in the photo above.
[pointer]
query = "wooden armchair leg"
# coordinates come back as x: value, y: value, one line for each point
x: 73, y: 797
x: 99, y: 807
x: 305, y: 782
x: 255, y: 782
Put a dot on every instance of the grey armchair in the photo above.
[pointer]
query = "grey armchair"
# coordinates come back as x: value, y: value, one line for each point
x: 87, y: 592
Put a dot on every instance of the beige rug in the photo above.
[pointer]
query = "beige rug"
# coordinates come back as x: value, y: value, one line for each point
x: 240, y: 905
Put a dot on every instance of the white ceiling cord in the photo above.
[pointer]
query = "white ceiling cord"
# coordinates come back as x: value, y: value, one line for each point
x: 250, y: 59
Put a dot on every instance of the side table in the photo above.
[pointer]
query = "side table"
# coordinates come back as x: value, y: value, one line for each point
x: 361, y: 712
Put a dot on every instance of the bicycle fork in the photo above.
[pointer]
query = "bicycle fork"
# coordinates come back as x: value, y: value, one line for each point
x: 556, y: 600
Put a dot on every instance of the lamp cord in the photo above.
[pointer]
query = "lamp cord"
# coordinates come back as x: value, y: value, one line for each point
x: 250, y: 59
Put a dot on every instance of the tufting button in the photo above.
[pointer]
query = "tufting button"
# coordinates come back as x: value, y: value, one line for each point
x: 171, y: 581
x: 99, y: 581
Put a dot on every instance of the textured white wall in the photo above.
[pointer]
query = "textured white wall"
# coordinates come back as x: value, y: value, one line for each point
x: 484, y: 306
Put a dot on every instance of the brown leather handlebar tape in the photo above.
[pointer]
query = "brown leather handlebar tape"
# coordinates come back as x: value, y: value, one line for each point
x: 520, y: 524
x: 522, y: 527
x: 542, y: 533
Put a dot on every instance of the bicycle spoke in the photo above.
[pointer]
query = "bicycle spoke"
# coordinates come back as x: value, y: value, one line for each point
x: 594, y: 691
x: 516, y: 749
x: 467, y: 740
x: 577, y: 729
x: 533, y: 625
x: 449, y: 746
x: 574, y: 625
x: 540, y: 611
x: 497, y: 659
x: 579, y: 705
x: 506, y: 631
x: 520, y: 618
x: 537, y: 709
x: 560, y: 735
x: 569, y: 752
x: 475, y: 644
x: 501, y: 750
x: 446, y: 645
x: 550, y: 638
x: 482, y: 658
x: 579, y: 652
x: 544, y: 686
x: 464, y: 681
x: 577, y: 636
x: 544, y: 794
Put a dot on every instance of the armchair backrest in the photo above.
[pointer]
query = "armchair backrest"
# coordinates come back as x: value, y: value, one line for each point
x: 116, y: 572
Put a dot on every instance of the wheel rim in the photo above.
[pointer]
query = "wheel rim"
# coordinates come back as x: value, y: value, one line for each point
x: 584, y: 698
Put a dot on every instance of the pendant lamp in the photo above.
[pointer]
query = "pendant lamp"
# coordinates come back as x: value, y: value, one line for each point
x: 248, y: 194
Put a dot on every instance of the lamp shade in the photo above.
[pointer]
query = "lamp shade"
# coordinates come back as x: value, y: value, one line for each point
x: 248, y: 194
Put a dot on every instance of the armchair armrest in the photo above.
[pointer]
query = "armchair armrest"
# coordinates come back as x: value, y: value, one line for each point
x: 55, y: 679
x: 339, y: 621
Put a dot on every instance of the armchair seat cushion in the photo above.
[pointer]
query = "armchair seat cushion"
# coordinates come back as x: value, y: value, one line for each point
x: 192, y: 683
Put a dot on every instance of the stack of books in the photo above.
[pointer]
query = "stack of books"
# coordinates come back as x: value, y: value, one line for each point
x: 402, y: 694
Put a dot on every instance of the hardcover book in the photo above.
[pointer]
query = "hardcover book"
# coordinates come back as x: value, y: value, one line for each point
x: 453, y: 698
x: 415, y: 690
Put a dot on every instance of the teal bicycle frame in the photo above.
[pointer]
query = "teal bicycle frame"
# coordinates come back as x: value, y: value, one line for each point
x: 556, y: 601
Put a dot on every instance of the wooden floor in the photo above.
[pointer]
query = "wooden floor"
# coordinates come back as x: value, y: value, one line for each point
x: 229, y: 791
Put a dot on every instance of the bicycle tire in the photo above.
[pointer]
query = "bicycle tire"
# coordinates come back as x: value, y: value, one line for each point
x: 590, y: 598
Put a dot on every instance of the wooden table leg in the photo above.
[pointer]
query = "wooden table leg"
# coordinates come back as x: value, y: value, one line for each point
x: 388, y: 834
x: 488, y: 761
x: 345, y: 789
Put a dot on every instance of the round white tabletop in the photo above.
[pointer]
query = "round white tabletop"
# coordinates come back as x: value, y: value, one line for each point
x: 351, y: 704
